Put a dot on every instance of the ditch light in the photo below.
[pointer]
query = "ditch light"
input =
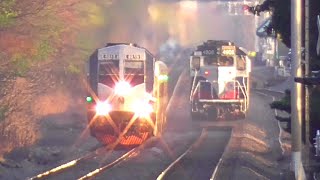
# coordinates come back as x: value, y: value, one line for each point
x: 163, y: 77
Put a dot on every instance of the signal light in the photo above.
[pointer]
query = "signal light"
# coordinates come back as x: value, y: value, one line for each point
x: 89, y: 99
x: 206, y: 72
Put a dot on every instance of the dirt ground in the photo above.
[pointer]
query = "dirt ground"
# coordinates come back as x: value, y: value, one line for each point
x: 45, y: 113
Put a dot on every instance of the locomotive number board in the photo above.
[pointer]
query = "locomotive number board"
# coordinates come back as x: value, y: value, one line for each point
x: 126, y: 56
x: 228, y: 50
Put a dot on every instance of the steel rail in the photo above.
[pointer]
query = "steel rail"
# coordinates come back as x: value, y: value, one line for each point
x: 70, y: 164
x: 108, y: 166
x: 118, y: 161
x: 189, y: 150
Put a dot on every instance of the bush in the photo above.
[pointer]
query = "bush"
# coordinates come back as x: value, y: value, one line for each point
x: 44, y: 50
x: 21, y: 64
x: 7, y: 14
x: 73, y: 69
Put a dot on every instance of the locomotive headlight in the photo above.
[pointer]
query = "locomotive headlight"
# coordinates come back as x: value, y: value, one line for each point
x: 103, y: 108
x: 142, y: 109
x: 122, y: 88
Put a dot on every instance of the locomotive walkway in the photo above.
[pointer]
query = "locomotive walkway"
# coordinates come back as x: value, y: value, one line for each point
x: 258, y: 148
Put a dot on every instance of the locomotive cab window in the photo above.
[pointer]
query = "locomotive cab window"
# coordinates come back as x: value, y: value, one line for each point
x: 195, y: 62
x: 134, y: 71
x: 241, y: 63
x: 134, y: 67
x: 109, y: 67
x: 108, y: 71
x: 210, y: 61
x: 225, y: 61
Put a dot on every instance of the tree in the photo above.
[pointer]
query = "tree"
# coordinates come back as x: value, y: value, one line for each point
x: 281, y: 18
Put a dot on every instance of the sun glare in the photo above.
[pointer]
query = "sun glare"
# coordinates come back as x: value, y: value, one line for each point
x: 189, y: 5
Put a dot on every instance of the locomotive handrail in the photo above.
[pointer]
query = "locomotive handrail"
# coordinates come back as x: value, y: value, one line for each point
x: 243, y: 92
x: 195, y: 90
x: 238, y: 87
x: 193, y: 84
x: 246, y: 90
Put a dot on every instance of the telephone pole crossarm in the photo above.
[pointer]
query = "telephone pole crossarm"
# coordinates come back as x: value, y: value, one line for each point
x: 308, y: 80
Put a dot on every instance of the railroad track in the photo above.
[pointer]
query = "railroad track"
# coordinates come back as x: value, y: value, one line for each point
x: 70, y: 164
x: 80, y: 163
x: 109, y: 165
x: 174, y: 165
x: 201, y: 159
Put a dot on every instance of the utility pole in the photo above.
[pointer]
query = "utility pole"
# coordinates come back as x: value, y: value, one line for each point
x: 296, y: 100
x: 307, y: 87
x: 256, y: 24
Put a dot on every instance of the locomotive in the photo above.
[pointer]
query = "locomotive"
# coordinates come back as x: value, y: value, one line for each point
x: 127, y: 94
x: 220, y: 81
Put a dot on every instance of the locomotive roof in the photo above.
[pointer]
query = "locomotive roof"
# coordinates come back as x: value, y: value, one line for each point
x: 133, y: 51
x: 215, y: 45
x: 128, y: 44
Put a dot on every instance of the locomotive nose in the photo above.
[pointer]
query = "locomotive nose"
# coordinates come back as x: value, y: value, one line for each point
x: 121, y: 99
x: 122, y: 88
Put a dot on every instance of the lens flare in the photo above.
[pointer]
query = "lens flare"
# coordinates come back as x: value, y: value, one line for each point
x: 122, y: 88
x: 103, y: 108
x: 142, y: 109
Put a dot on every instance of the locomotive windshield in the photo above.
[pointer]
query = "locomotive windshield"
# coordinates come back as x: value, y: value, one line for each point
x: 207, y: 60
x: 109, y: 67
x: 195, y: 63
x: 225, y: 61
x: 134, y: 71
x: 218, y: 61
x: 241, y: 63
x: 108, y: 72
x: 134, y: 67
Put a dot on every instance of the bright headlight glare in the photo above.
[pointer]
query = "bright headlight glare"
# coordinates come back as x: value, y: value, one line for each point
x: 143, y: 109
x: 150, y: 97
x: 122, y: 88
x: 103, y: 108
